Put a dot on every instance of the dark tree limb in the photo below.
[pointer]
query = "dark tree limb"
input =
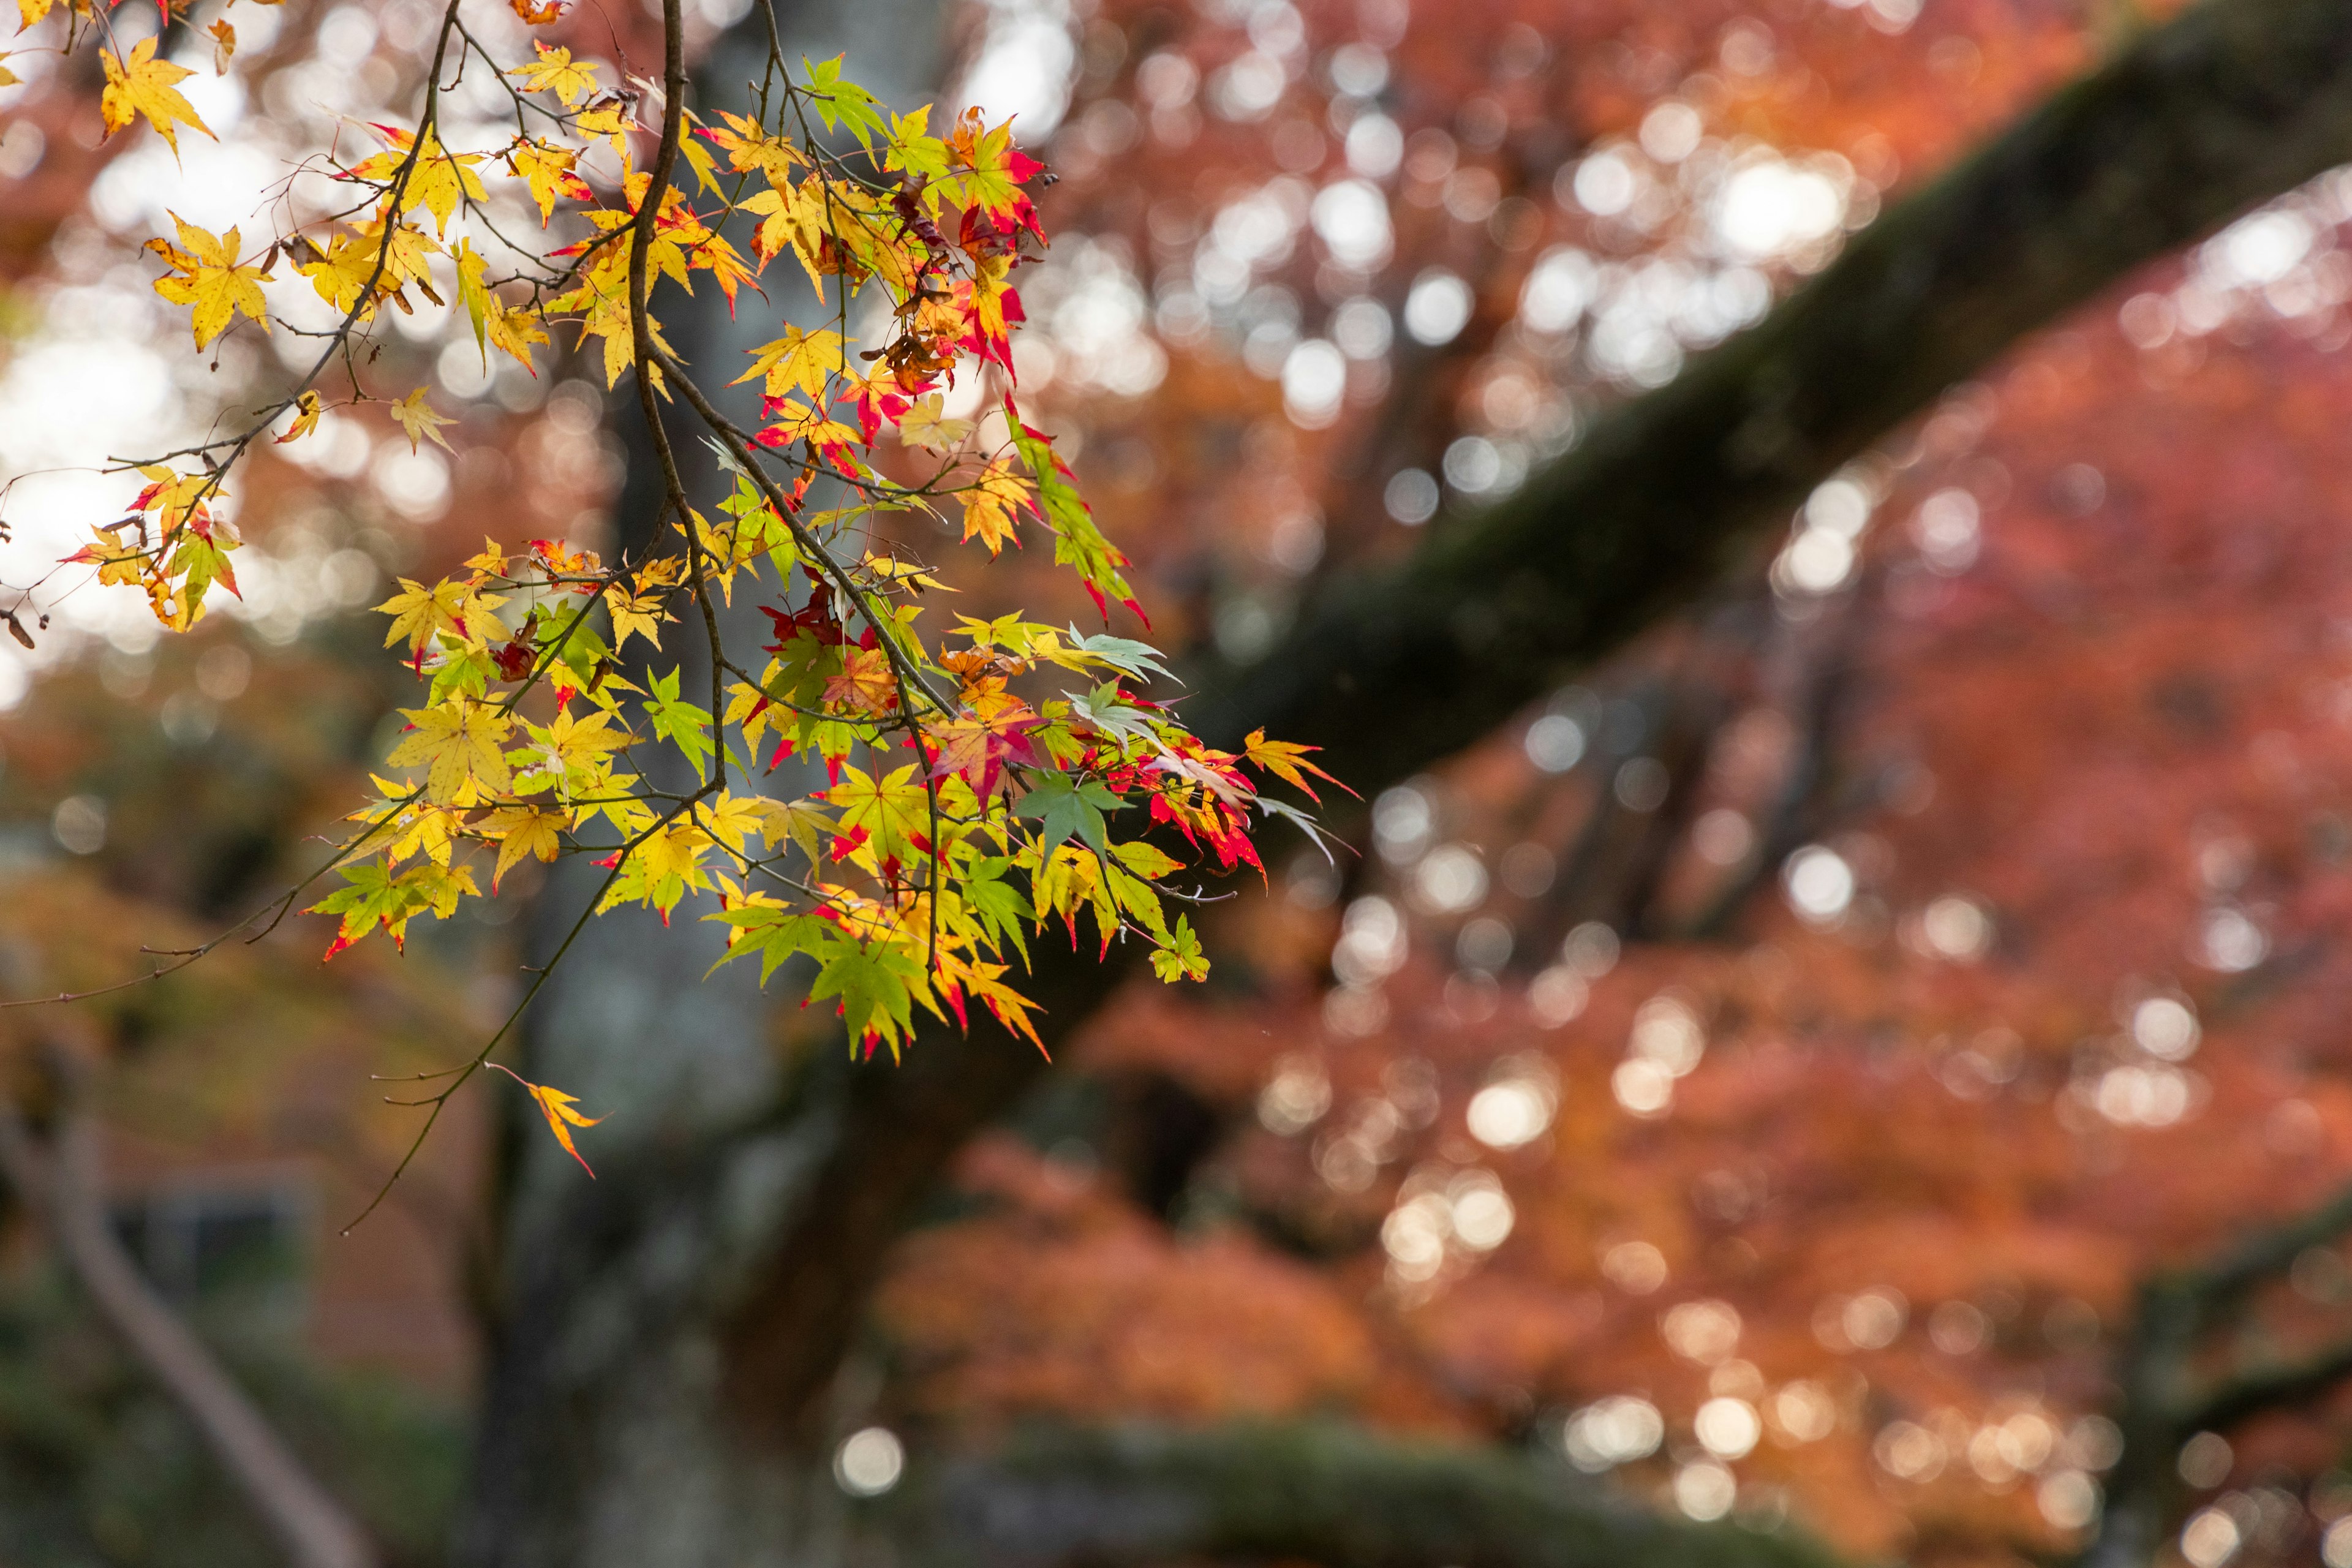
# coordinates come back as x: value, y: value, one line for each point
x: 59, y: 1183
x: 1328, y: 1494
x: 2159, y: 1403
x: 2233, y: 103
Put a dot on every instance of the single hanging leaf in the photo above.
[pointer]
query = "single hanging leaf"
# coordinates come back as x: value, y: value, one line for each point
x: 555, y: 71
x: 524, y: 830
x: 925, y: 425
x: 797, y: 362
x: 420, y: 421
x: 142, y: 85
x: 556, y: 1105
x: 474, y: 295
x: 458, y: 743
x: 988, y: 505
x: 214, y: 283
x: 547, y: 171
x: 224, y: 38
x: 1180, y: 957
x: 306, y: 409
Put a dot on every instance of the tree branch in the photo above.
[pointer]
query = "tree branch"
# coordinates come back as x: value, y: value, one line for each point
x: 61, y: 1185
x: 2233, y: 103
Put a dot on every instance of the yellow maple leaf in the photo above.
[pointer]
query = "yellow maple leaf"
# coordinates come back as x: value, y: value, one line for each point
x: 798, y: 361
x: 555, y: 71
x: 556, y: 1105
x: 548, y: 170
x: 458, y: 743
x: 523, y: 830
x: 214, y: 283
x: 749, y: 146
x: 341, y: 272
x: 636, y: 610
x: 438, y: 182
x: 421, y: 614
x: 512, y: 329
x: 988, y: 505
x: 306, y: 409
x: 142, y: 85
x: 925, y: 425
x: 416, y: 418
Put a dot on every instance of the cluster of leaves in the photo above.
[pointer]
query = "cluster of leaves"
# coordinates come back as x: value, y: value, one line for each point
x: 966, y: 802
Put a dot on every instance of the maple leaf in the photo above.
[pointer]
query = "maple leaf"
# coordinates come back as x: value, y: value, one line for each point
x: 523, y: 830
x: 512, y: 329
x: 865, y: 684
x: 117, y: 562
x: 556, y: 1105
x: 440, y: 180
x: 876, y: 988
x: 224, y: 38
x: 555, y: 71
x: 924, y: 424
x: 749, y: 147
x: 890, y: 810
x: 1286, y: 760
x: 994, y: 170
x: 8, y: 77
x: 1065, y: 806
x: 636, y: 609
x: 796, y: 421
x: 547, y: 171
x: 803, y: 362
x: 458, y: 743
x: 792, y: 216
x: 1179, y: 957
x: 373, y: 895
x: 420, y: 614
x: 306, y: 409
x: 839, y: 102
x: 989, y: 504
x: 418, y: 418
x: 978, y: 747
x: 341, y: 272
x: 213, y: 282
x: 537, y: 15
x: 142, y: 85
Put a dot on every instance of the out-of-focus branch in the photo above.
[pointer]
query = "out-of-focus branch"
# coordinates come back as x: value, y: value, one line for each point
x: 2233, y: 103
x: 2158, y: 1404
x: 1330, y: 1494
x: 60, y: 1185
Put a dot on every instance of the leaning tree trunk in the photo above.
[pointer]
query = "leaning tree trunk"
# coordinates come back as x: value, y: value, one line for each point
x: 604, y: 1437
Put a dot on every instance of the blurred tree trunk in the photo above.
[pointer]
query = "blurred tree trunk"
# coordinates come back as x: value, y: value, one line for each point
x: 672, y: 1334
x: 604, y: 1438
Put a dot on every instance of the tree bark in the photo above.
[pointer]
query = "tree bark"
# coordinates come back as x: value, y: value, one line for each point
x: 672, y: 1330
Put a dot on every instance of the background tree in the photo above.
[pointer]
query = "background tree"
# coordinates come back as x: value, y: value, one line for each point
x: 1813, y: 705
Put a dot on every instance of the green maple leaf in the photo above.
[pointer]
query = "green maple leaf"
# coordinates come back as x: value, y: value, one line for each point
x: 1065, y: 806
